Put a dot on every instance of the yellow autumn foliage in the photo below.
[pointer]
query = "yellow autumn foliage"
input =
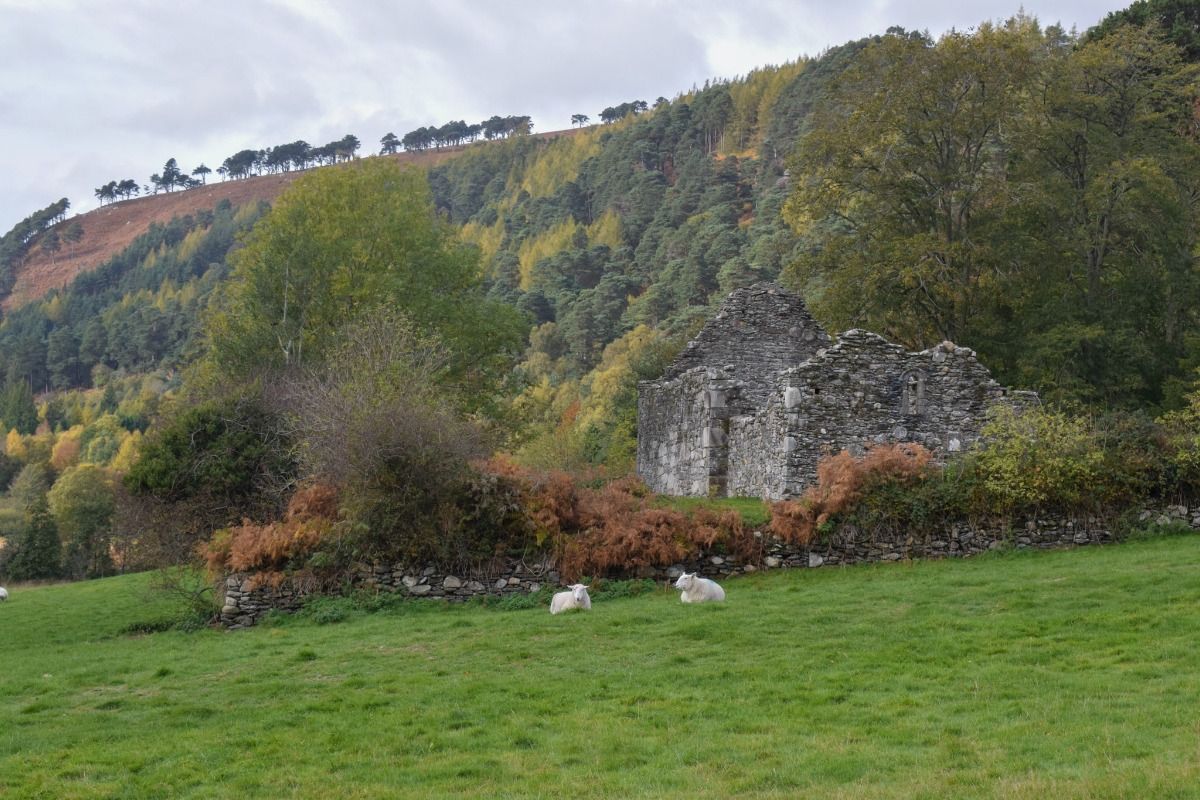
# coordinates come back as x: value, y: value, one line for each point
x: 601, y: 387
x: 753, y: 99
x: 14, y: 446
x: 488, y: 238
x: 606, y: 230
x: 544, y: 245
x: 558, y: 163
x: 191, y: 243
x: 127, y: 453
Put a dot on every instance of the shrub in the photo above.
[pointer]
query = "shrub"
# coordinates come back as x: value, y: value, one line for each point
x: 1038, y: 458
x: 841, y: 481
x: 266, y: 550
x: 82, y: 503
x: 1181, y: 443
x: 615, y: 590
x: 615, y: 527
x: 328, y: 610
x: 229, y: 454
x: 526, y: 600
x: 193, y: 595
x: 896, y: 504
x: 377, y: 420
x: 1137, y: 461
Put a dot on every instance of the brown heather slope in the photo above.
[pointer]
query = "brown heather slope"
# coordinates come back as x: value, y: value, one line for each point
x: 109, y: 230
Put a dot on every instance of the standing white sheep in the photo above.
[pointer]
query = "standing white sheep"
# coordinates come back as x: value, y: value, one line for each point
x: 3, y: 593
x: 699, y: 590
x: 576, y: 596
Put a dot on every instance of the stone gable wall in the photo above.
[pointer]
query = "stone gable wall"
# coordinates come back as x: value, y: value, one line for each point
x: 756, y: 332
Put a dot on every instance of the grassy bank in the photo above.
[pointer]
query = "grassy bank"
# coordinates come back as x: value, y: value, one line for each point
x: 1067, y: 674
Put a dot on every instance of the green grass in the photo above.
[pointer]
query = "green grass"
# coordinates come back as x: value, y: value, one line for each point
x: 1067, y: 675
x: 754, y: 512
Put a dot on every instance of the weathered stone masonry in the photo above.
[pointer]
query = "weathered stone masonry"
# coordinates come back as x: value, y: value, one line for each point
x: 245, y: 602
x: 762, y: 394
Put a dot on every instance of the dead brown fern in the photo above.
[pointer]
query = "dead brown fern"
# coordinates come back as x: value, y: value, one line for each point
x: 616, y: 528
x: 266, y: 549
x: 841, y: 479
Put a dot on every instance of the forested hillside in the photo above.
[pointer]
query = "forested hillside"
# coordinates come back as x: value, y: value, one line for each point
x: 1017, y: 189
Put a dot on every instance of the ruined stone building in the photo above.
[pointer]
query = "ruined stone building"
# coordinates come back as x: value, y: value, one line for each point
x: 762, y: 393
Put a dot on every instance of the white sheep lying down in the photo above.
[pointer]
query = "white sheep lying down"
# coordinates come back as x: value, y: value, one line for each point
x: 699, y: 590
x: 3, y: 593
x: 576, y: 596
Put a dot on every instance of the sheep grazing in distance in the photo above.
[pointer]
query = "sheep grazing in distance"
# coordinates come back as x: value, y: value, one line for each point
x: 3, y: 593
x: 699, y: 590
x: 576, y: 596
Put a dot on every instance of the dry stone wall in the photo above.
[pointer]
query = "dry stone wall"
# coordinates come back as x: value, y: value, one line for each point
x: 246, y: 602
x: 247, y: 599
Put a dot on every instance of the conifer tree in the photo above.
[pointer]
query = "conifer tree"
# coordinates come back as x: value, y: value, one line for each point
x: 38, y: 550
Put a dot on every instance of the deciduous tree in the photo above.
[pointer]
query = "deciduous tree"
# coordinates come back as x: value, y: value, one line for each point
x: 339, y: 242
x: 82, y: 504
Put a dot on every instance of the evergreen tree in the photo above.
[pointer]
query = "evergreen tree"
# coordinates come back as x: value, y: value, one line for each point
x: 62, y: 359
x: 39, y: 549
x: 17, y: 409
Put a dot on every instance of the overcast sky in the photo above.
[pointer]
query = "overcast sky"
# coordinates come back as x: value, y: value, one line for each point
x: 96, y: 90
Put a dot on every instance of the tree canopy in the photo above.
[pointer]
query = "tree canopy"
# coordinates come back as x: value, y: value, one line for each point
x: 1007, y: 189
x: 339, y: 242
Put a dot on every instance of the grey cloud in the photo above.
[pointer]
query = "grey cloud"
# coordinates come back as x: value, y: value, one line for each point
x: 95, y: 91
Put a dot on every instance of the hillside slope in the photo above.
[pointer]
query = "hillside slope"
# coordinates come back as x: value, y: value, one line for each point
x: 112, y: 228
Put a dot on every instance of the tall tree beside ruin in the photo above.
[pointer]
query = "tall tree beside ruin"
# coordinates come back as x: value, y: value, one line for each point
x: 1109, y: 181
x: 901, y: 179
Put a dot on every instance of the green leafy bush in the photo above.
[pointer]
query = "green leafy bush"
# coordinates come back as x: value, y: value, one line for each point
x: 892, y: 504
x: 328, y: 610
x: 1181, y: 432
x: 1039, y: 458
x: 614, y: 590
x: 229, y: 451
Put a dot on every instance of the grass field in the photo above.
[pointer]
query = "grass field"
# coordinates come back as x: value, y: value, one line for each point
x: 1069, y: 674
x: 753, y: 511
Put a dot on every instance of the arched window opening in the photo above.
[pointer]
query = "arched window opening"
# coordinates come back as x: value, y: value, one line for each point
x: 912, y: 397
